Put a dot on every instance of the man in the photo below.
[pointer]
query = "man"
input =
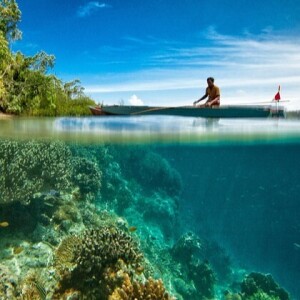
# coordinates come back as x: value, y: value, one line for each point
x: 213, y: 94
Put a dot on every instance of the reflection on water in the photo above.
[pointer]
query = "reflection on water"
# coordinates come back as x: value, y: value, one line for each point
x: 152, y: 128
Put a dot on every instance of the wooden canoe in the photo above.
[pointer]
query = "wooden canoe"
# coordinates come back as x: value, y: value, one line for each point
x: 238, y: 111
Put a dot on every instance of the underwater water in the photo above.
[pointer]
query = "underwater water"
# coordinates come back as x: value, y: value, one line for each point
x: 159, y: 207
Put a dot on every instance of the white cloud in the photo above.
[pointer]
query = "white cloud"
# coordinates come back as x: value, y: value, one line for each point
x: 247, y: 68
x: 134, y: 100
x: 90, y: 7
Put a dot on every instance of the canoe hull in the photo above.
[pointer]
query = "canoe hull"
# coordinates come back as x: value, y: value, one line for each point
x: 191, y: 111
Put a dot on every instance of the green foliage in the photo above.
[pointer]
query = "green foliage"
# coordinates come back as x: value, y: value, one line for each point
x: 25, y: 86
x: 5, y: 55
x: 10, y: 15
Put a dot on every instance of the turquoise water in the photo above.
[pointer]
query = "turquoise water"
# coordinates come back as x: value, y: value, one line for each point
x: 212, y: 205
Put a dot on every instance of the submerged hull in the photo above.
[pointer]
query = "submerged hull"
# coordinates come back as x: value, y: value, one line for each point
x: 191, y: 111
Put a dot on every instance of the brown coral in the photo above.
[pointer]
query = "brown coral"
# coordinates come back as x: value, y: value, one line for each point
x: 84, y: 262
x: 64, y: 255
x: 103, y: 247
x: 152, y: 289
x: 33, y: 287
x: 8, y: 284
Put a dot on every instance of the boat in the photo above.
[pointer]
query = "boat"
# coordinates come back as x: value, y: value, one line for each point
x: 229, y: 111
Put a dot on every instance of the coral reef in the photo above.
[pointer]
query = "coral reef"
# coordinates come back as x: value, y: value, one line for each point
x: 186, y: 247
x: 86, y: 175
x: 64, y: 259
x: 257, y: 283
x: 149, y: 169
x: 204, y: 279
x: 159, y: 210
x: 103, y: 247
x: 218, y: 259
x: 8, y: 284
x: 87, y: 263
x: 33, y: 288
x: 30, y: 167
x: 62, y: 238
x: 187, y: 251
x: 130, y: 290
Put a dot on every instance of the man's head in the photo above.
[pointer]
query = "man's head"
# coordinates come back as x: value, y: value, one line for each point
x: 210, y: 81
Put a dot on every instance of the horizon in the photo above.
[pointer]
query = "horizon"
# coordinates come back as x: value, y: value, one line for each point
x: 161, y: 52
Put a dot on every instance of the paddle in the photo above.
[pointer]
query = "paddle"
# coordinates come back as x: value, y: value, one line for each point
x: 154, y: 109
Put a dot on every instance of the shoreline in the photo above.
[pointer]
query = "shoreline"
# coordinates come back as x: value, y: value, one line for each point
x: 5, y: 116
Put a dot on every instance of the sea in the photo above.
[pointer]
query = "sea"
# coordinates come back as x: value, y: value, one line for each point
x: 211, y: 205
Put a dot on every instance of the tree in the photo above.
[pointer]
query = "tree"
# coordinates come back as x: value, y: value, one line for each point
x: 25, y: 86
x: 42, y: 62
x: 73, y: 89
x: 10, y: 15
x: 5, y: 60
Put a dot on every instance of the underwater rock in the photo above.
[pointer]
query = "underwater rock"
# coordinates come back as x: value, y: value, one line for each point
x: 160, y: 210
x: 149, y: 169
x: 185, y: 290
x: 186, y: 246
x: 218, y: 259
x: 203, y: 278
x: 257, y: 283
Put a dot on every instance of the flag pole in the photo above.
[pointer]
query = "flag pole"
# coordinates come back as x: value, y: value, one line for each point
x: 278, y: 99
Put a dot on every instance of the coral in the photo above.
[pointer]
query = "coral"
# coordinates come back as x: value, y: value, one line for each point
x: 262, y: 296
x: 86, y: 175
x: 8, y: 284
x: 67, y: 211
x: 103, y: 247
x: 32, y: 288
x: 218, y: 259
x: 186, y: 246
x: 64, y: 258
x: 149, y: 169
x: 30, y: 167
x: 255, y: 283
x: 83, y: 262
x: 185, y: 290
x: 203, y: 278
x: 156, y: 172
x: 131, y: 290
x: 160, y: 209
x: 232, y: 296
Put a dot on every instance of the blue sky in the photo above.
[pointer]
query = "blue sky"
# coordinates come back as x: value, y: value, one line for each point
x: 160, y: 52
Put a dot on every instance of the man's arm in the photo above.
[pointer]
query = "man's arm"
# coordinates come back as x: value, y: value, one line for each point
x: 202, y: 98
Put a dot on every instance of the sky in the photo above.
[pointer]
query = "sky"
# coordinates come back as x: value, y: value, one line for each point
x: 160, y: 52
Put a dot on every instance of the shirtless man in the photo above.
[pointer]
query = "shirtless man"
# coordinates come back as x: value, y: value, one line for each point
x: 213, y: 94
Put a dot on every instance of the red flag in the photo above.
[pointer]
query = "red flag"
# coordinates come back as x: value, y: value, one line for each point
x: 277, y: 96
